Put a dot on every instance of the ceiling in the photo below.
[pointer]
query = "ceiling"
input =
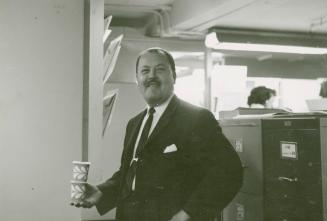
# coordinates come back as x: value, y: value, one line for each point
x: 197, y: 16
x: 191, y: 19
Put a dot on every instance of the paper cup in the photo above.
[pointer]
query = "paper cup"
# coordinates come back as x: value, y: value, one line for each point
x: 77, y: 191
x: 80, y: 171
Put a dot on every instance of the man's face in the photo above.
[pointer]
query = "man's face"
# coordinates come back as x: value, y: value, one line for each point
x: 155, y: 78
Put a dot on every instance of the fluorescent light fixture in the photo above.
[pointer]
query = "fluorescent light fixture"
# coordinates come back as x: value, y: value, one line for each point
x: 181, y: 54
x: 211, y: 41
x: 181, y: 68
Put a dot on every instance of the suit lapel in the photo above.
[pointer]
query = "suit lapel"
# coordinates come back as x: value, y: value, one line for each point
x: 164, y: 120
x: 133, y: 135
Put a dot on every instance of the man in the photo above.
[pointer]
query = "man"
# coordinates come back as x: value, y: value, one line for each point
x: 183, y: 169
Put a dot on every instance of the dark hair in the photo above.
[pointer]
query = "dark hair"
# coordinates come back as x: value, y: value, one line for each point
x: 169, y: 57
x: 323, y: 89
x: 259, y: 95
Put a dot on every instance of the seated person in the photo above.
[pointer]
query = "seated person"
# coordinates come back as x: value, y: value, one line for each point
x: 261, y: 97
x: 323, y: 90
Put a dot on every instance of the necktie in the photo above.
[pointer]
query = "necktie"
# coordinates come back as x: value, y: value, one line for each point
x: 127, y: 187
x: 145, y: 131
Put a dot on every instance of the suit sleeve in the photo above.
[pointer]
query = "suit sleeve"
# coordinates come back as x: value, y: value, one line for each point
x: 111, y: 187
x: 210, y: 151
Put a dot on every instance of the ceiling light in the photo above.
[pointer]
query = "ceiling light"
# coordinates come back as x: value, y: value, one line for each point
x: 264, y: 57
x: 181, y: 54
x: 211, y: 41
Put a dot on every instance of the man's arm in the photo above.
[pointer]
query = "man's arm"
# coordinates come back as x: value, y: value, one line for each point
x: 110, y: 191
x: 111, y: 187
x: 103, y: 195
x: 211, y: 151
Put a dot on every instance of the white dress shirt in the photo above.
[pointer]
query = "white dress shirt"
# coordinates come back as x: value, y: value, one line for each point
x: 159, y: 110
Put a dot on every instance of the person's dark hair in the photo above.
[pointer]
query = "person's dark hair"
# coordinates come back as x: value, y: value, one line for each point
x: 323, y: 89
x: 259, y: 95
x: 169, y: 57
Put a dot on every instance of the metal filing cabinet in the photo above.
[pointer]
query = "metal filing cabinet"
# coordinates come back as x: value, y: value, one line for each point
x: 245, y: 136
x: 285, y: 166
x: 241, y: 134
x: 244, y: 207
x: 294, y: 156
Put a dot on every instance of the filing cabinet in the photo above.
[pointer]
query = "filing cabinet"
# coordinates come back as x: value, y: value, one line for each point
x: 294, y: 153
x: 285, y: 172
x: 245, y: 136
x: 244, y: 207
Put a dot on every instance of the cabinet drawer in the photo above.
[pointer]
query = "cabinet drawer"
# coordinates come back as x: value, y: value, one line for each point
x: 297, y: 186
x: 291, y: 209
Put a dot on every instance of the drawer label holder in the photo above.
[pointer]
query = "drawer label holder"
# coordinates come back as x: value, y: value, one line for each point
x: 288, y: 150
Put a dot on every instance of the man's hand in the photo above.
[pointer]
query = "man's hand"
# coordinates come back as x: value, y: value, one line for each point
x: 93, y: 196
x: 180, y: 216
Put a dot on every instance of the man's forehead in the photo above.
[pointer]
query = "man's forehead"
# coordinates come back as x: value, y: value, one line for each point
x: 153, y: 58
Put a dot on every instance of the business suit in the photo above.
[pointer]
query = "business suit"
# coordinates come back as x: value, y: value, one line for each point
x: 201, y: 177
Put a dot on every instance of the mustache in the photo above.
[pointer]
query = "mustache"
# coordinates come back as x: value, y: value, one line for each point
x: 151, y: 81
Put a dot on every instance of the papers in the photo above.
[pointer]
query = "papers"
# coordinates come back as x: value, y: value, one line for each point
x: 106, y: 31
x: 110, y: 57
x: 106, y: 35
x: 317, y: 104
x: 257, y: 116
x: 107, y: 21
x: 108, y: 104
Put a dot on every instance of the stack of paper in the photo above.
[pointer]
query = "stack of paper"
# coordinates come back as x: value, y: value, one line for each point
x: 110, y: 57
x: 108, y: 104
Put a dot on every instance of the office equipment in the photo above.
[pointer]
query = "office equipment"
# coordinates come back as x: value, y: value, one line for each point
x: 294, y: 156
x: 247, y: 111
x: 285, y: 168
x: 317, y: 104
x: 245, y: 136
x: 108, y: 104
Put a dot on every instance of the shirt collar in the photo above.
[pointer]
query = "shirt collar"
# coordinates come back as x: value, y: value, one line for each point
x: 162, y: 107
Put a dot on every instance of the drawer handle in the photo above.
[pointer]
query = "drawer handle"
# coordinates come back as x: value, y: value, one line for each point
x: 282, y: 178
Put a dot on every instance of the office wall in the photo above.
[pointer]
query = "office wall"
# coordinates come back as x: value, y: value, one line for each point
x: 93, y: 89
x: 41, y: 78
x: 93, y: 96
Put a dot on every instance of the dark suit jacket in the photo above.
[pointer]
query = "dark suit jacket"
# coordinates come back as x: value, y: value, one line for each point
x: 201, y: 177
